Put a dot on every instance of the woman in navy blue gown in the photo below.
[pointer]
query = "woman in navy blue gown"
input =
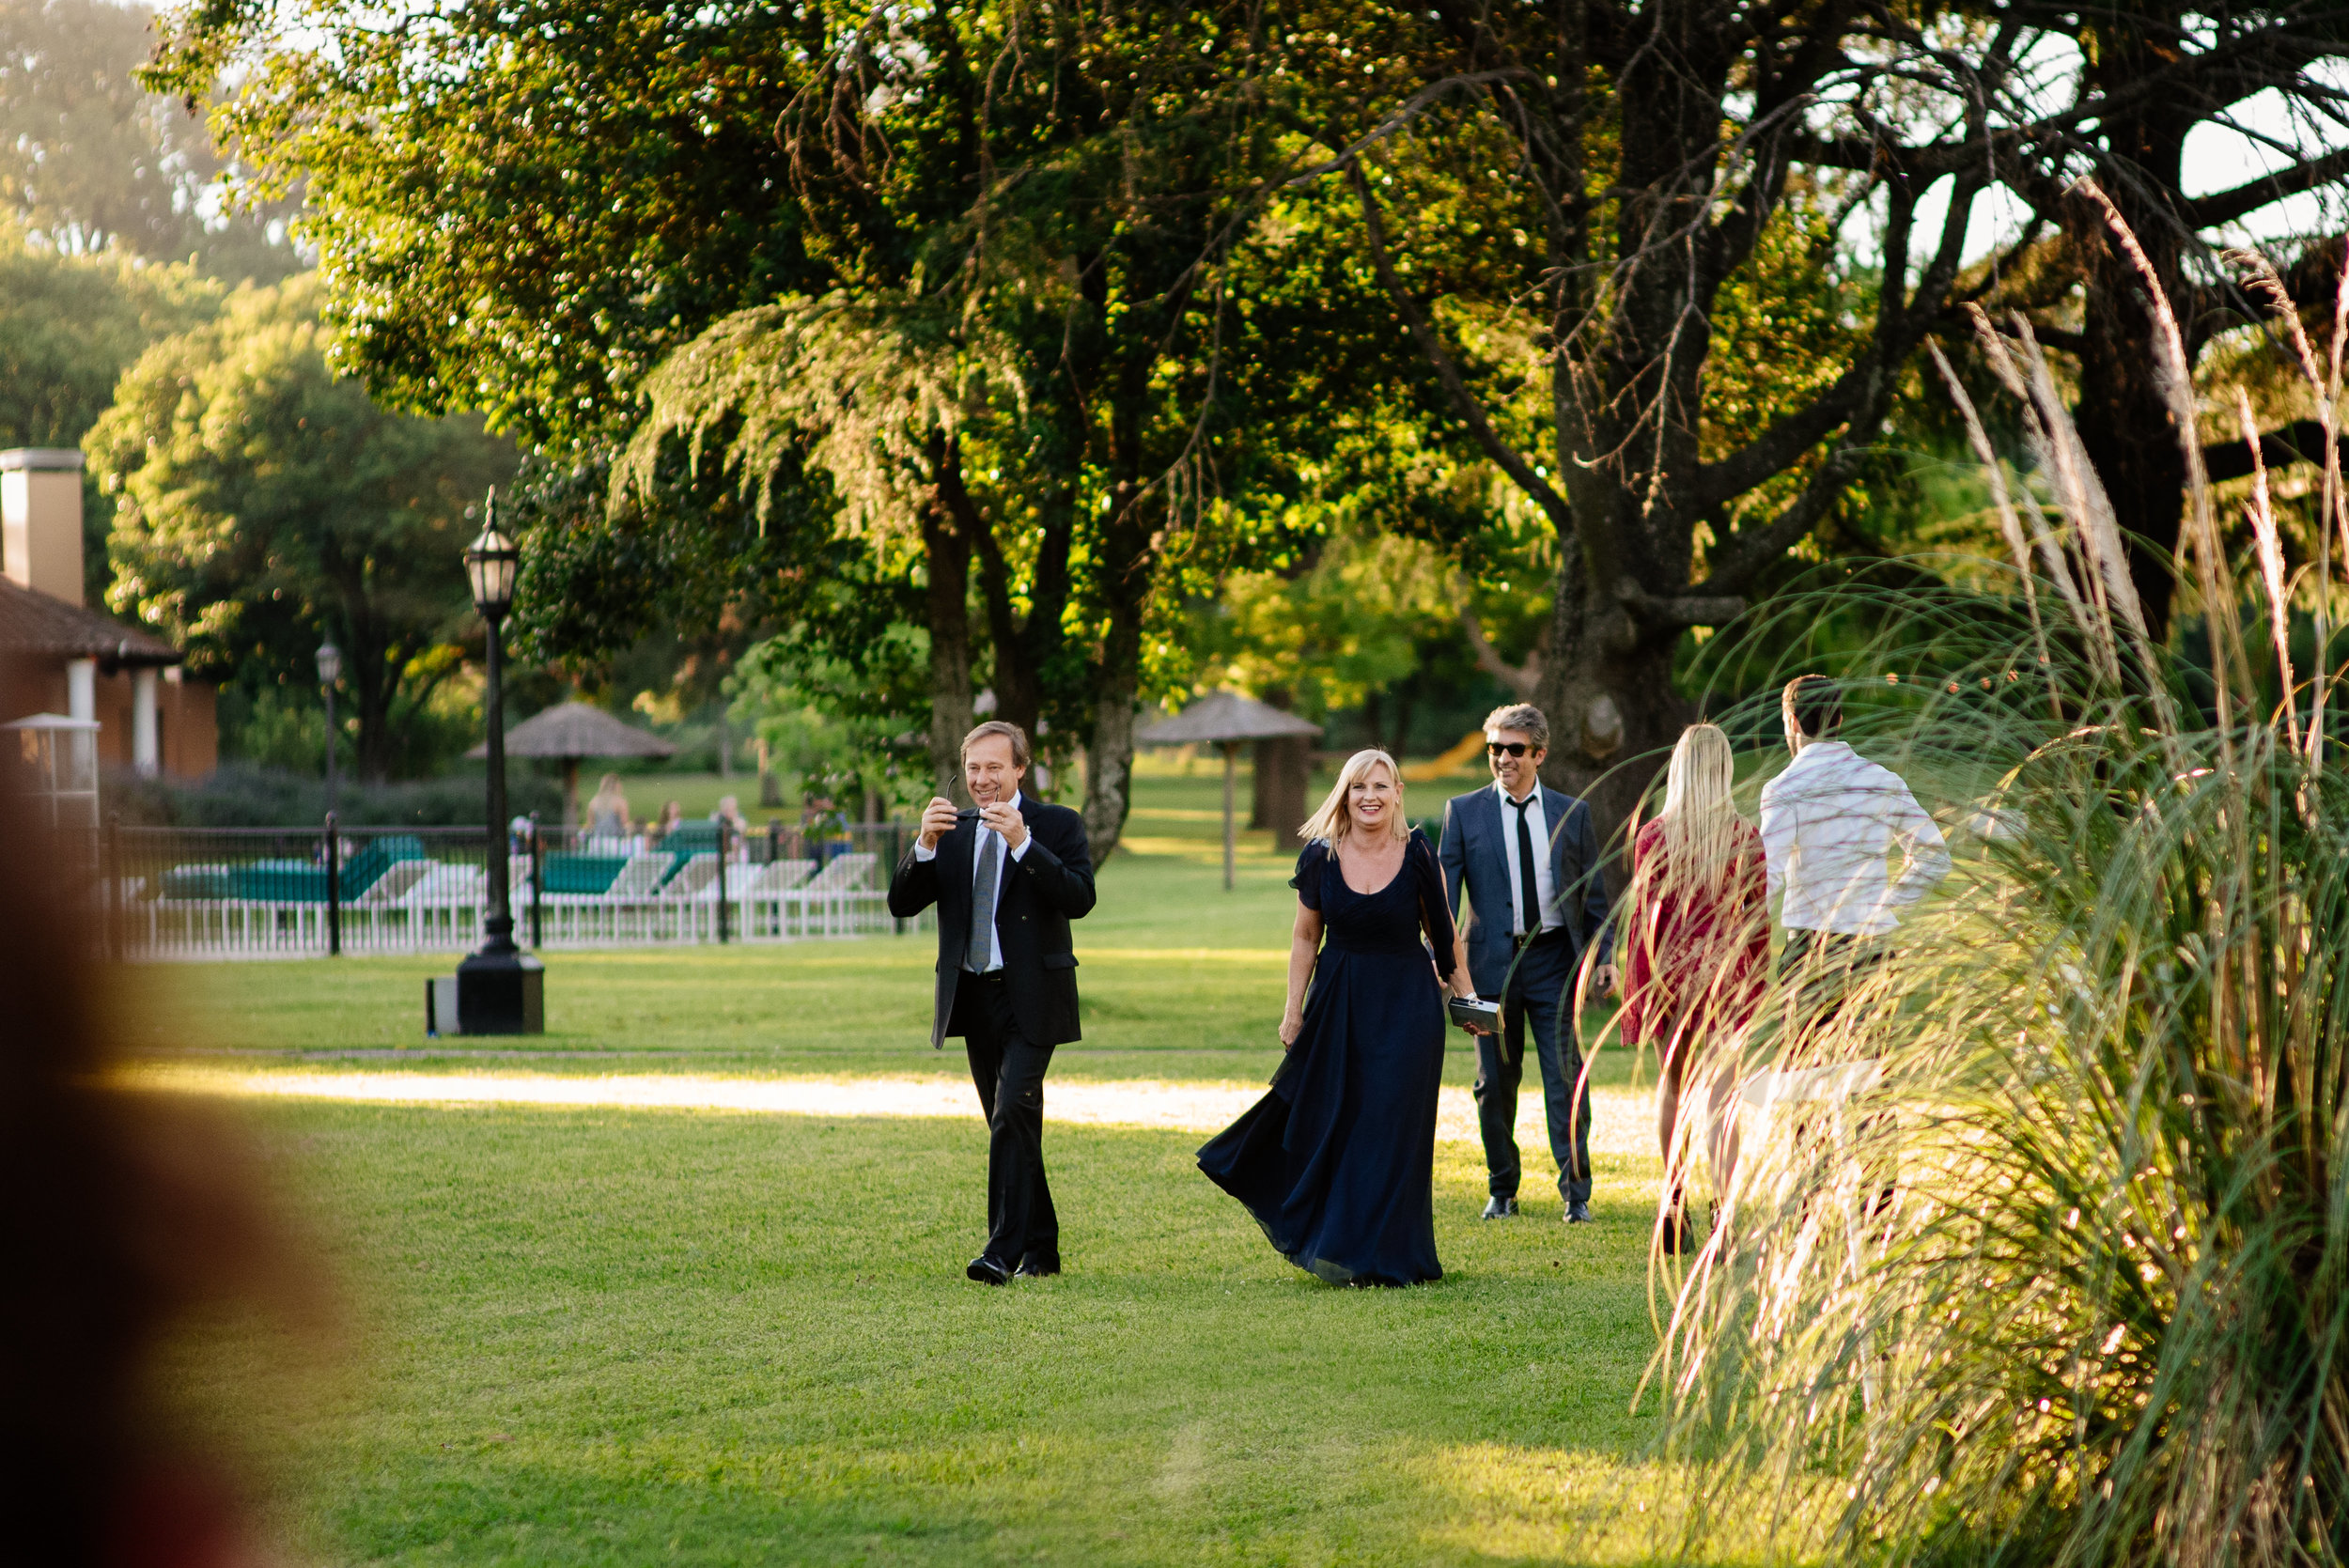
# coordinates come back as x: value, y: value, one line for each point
x: 1337, y: 1163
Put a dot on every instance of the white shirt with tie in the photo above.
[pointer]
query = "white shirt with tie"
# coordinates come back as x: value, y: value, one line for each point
x: 987, y: 836
x: 1545, y: 885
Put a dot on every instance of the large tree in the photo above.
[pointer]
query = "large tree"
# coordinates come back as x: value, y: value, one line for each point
x: 525, y: 209
x: 93, y: 161
x: 1641, y: 164
x: 262, y: 502
x: 70, y: 325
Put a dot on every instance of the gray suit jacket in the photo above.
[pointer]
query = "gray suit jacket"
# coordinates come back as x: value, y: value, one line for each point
x: 1476, y: 859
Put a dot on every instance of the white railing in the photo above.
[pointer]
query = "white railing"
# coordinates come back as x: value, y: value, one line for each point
x: 201, y: 893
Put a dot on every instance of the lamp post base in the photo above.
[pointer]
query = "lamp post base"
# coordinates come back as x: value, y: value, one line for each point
x: 500, y: 992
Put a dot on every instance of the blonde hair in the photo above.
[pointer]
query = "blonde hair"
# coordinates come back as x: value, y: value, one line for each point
x: 1700, y: 820
x: 1334, y: 820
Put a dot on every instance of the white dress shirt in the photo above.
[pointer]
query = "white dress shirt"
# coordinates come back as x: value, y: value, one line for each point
x: 1545, y: 885
x: 1828, y: 825
x: 994, y: 935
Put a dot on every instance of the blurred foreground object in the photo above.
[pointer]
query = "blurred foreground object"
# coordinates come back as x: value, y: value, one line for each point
x: 121, y: 1214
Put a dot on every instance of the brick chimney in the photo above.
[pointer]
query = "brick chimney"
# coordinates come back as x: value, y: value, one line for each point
x: 40, y: 520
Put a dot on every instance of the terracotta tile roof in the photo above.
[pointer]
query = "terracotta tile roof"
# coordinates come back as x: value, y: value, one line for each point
x: 35, y: 624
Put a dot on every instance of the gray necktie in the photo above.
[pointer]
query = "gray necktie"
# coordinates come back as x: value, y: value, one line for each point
x: 980, y: 952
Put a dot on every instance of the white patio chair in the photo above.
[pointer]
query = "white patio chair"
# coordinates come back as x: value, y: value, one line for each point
x: 445, y: 904
x: 765, y: 895
x: 827, y: 895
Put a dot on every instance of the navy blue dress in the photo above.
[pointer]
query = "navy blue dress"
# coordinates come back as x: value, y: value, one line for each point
x: 1337, y: 1163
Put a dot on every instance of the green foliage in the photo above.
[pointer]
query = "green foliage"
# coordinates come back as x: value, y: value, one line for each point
x: 1348, y: 624
x: 275, y: 729
x: 262, y: 503
x: 844, y: 725
x: 70, y: 325
x: 242, y: 795
x: 92, y: 162
x: 523, y: 210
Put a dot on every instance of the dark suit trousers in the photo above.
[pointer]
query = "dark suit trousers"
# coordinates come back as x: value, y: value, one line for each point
x: 1009, y: 1068
x: 1541, y: 993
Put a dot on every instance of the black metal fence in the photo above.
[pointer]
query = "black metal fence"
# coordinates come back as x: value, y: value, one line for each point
x: 210, y: 892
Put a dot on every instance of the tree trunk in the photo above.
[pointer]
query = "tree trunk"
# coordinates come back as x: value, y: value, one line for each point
x: 948, y: 555
x: 1608, y: 694
x: 1129, y: 553
x: 1406, y: 704
x: 2122, y: 414
x: 1283, y: 769
x: 371, y: 684
x: 1109, y: 759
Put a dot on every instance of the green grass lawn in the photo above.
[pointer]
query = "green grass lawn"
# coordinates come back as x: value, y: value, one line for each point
x: 621, y: 1337
x: 606, y: 1337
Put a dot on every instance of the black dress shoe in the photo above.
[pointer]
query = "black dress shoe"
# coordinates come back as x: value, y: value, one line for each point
x: 987, y: 1271
x: 1501, y: 1209
x: 1033, y: 1267
x: 1578, y: 1214
x: 1674, y: 1234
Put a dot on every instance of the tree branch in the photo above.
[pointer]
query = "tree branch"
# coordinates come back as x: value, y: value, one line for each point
x: 1410, y: 110
x: 1684, y: 610
x: 1735, y: 573
x: 1775, y: 450
x: 2300, y: 442
x: 1423, y: 333
x: 1520, y: 678
x: 2225, y: 206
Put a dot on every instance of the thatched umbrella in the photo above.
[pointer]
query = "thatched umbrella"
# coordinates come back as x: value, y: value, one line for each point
x: 1228, y: 720
x: 572, y: 731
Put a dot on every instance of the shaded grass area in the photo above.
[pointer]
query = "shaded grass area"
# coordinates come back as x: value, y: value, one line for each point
x: 1180, y: 980
x: 614, y: 1337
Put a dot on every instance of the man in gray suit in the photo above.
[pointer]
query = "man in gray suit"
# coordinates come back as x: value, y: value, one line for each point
x: 1527, y: 857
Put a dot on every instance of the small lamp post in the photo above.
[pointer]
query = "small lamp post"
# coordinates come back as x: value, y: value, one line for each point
x: 500, y: 989
x: 330, y: 671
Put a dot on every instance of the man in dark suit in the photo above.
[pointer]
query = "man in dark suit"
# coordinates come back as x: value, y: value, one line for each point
x: 1527, y: 858
x: 1007, y: 879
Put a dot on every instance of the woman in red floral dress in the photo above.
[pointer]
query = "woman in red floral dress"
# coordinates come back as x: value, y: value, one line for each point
x: 1698, y: 935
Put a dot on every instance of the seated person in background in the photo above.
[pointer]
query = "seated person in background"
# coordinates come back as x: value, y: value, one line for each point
x: 607, y: 813
x: 730, y: 813
x: 671, y: 817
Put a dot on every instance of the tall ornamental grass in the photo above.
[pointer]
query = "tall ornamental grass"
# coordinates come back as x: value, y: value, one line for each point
x: 2065, y: 1279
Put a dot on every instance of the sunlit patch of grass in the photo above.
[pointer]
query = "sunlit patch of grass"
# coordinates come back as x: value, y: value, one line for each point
x: 1571, y: 1505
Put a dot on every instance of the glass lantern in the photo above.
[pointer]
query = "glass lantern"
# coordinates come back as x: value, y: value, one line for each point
x: 56, y: 763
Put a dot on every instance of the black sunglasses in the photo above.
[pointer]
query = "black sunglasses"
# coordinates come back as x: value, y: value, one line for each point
x: 1510, y: 748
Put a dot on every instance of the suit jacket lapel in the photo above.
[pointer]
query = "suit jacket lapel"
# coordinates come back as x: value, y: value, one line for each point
x: 1559, y: 808
x: 1498, y: 857
x: 1554, y: 809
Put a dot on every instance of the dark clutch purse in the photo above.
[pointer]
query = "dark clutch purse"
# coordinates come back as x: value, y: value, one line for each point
x: 1474, y: 1013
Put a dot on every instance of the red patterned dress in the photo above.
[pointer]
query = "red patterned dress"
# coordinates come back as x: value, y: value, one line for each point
x: 1694, y: 964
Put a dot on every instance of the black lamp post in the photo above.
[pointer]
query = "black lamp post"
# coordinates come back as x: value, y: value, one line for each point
x: 500, y: 989
x: 330, y: 671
